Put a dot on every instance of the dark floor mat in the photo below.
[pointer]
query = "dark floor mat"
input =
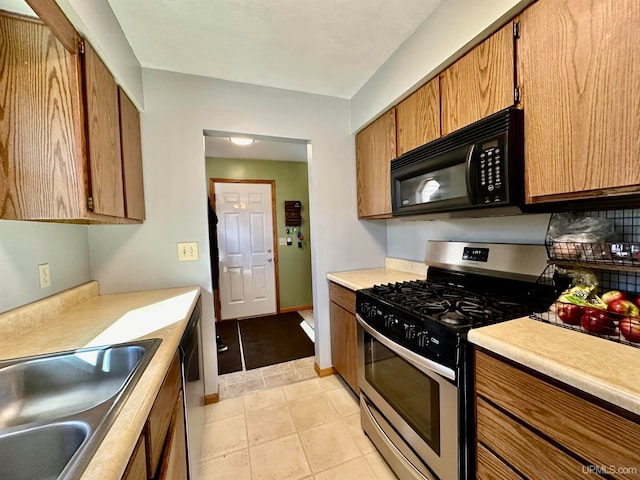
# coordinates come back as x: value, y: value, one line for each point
x: 229, y: 360
x: 274, y: 339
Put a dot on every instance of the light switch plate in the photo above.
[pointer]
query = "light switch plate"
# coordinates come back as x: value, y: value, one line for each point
x: 282, y: 241
x: 187, y: 251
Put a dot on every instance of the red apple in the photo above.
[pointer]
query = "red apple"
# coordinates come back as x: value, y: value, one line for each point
x: 569, y: 313
x: 630, y: 328
x: 623, y: 307
x: 638, y: 301
x: 613, y: 295
x: 597, y: 321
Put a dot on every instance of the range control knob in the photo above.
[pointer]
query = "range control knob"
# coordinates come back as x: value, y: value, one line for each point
x: 409, y: 331
x: 423, y: 339
x: 388, y: 320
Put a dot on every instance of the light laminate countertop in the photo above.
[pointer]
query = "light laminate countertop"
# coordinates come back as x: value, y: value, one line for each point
x: 81, y: 317
x: 395, y: 270
x: 605, y: 369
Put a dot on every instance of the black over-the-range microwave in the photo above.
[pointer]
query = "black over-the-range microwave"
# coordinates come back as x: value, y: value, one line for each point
x: 477, y: 167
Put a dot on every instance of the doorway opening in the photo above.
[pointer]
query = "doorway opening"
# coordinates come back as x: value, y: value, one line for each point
x: 281, y: 163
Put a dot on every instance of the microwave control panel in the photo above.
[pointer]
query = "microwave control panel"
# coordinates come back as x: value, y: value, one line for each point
x: 491, y: 172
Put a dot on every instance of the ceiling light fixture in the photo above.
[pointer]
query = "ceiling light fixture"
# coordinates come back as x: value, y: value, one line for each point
x: 241, y: 140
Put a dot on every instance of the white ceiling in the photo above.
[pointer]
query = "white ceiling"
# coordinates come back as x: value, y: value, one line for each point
x: 327, y: 47
x: 217, y: 144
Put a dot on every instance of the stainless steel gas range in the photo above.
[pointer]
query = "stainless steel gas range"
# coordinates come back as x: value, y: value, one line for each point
x: 415, y: 366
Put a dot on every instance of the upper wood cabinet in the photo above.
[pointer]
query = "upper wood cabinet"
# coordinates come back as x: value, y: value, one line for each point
x: 40, y: 127
x: 131, y: 158
x: 60, y: 128
x: 577, y: 64
x: 418, y: 118
x: 375, y: 148
x: 480, y: 83
x: 103, y: 136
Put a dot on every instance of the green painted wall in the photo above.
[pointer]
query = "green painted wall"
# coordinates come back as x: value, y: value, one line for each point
x: 291, y: 178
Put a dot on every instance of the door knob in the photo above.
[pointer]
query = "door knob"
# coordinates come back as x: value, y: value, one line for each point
x: 268, y: 250
x: 269, y: 259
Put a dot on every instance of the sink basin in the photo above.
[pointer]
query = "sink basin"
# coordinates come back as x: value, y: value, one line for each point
x: 55, y: 409
x: 57, y: 385
x: 40, y: 452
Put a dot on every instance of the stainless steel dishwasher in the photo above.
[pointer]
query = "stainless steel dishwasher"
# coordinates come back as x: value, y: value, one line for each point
x: 193, y: 387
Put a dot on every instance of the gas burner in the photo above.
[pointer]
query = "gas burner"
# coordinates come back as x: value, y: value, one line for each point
x: 454, y: 318
x: 476, y: 311
x: 432, y: 306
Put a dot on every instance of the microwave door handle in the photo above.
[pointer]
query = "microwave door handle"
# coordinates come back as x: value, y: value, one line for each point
x: 471, y: 187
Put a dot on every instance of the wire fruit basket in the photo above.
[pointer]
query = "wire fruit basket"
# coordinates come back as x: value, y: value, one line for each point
x: 611, y: 310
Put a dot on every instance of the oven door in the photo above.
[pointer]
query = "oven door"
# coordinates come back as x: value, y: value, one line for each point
x: 407, y: 408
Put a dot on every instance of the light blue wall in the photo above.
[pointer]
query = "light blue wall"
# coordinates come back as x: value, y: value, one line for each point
x: 408, y: 239
x: 25, y: 245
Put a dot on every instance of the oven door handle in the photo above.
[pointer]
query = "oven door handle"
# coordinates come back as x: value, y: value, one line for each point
x: 421, y: 363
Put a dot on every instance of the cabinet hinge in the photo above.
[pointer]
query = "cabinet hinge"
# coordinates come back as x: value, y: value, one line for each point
x: 81, y: 46
x: 516, y: 29
x: 516, y: 95
x: 90, y: 203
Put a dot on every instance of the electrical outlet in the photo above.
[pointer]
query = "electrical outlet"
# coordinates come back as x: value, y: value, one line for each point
x: 187, y: 251
x: 45, y: 275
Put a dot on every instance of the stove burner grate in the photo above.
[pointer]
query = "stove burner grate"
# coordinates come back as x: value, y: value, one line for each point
x: 449, y: 303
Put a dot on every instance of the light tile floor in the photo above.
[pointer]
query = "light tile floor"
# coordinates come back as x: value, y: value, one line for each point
x: 248, y: 381
x: 282, y: 423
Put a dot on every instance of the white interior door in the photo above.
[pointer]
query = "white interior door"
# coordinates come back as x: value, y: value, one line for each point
x: 245, y: 243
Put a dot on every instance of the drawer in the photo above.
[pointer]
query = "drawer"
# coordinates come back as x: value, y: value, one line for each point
x: 599, y: 436
x: 160, y: 416
x: 490, y: 467
x: 515, y: 443
x: 343, y: 296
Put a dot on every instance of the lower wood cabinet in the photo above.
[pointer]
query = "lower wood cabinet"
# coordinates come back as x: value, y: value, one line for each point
x: 344, y: 345
x: 532, y: 427
x: 137, y: 468
x: 174, y: 461
x: 161, y: 452
x: 160, y: 416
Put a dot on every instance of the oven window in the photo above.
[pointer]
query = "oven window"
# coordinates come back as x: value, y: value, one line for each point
x: 411, y: 393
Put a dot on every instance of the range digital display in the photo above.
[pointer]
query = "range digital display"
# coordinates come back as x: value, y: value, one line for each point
x: 475, y: 254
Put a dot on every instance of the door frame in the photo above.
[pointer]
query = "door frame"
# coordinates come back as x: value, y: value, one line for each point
x: 274, y: 226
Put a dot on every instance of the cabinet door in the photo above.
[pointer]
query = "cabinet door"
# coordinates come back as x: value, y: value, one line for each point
x: 418, y: 118
x: 480, y: 83
x: 344, y: 347
x: 375, y: 148
x: 131, y: 157
x: 40, y: 128
x: 577, y: 64
x: 103, y: 136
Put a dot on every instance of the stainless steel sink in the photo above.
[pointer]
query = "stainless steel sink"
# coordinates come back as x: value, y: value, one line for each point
x: 68, y: 401
x: 41, y: 452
